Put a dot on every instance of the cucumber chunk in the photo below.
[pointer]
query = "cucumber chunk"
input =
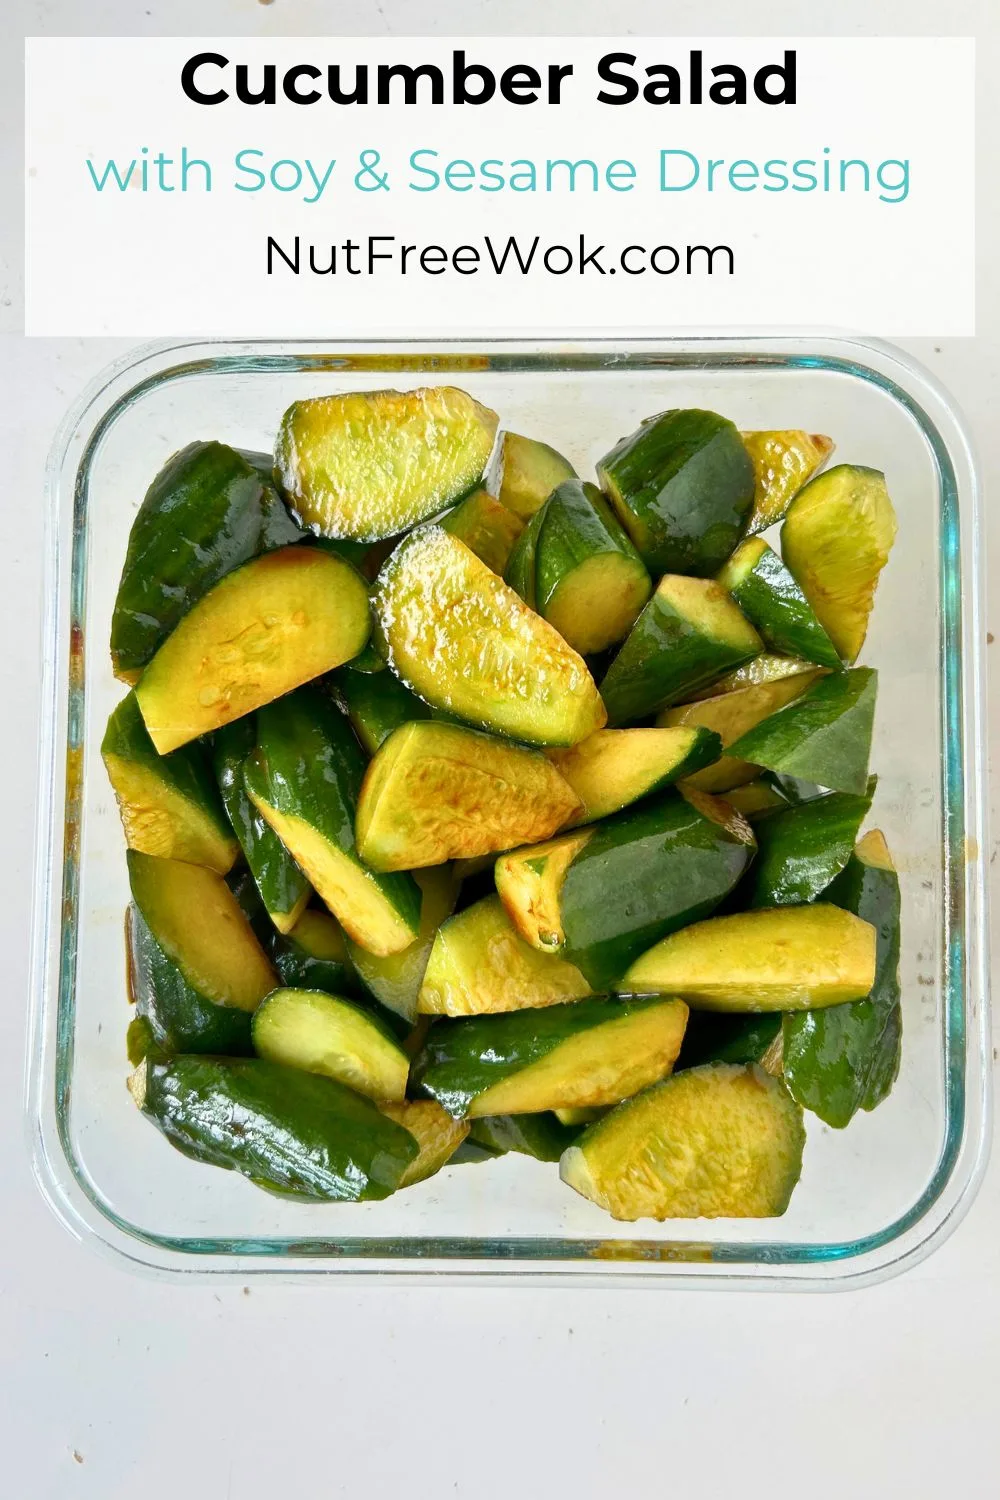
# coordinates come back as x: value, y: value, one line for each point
x: 529, y: 472
x: 377, y: 703
x: 772, y: 601
x: 779, y: 958
x: 783, y: 462
x: 326, y: 1034
x: 835, y: 542
x: 436, y: 792
x: 802, y: 849
x: 590, y: 582
x: 291, y: 1131
x: 314, y: 955
x: 435, y: 1132
x: 689, y: 633
x: 757, y: 672
x: 486, y: 527
x: 756, y: 799
x: 542, y: 1136
x: 371, y: 464
x: 464, y: 641
x: 304, y: 778
x: 284, y: 889
x: 479, y: 965
x: 172, y: 1014
x: 520, y: 570
x: 605, y: 894
x: 616, y: 767
x: 823, y: 736
x: 588, y: 1054
x: 716, y: 1142
x: 711, y: 1037
x: 169, y: 804
x: 395, y: 979
x: 840, y: 1060
x: 731, y: 715
x: 264, y: 629
x: 682, y: 485
x: 209, y: 510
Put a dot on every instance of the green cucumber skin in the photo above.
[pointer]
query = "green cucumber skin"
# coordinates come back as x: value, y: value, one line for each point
x: 376, y: 704
x: 712, y: 1037
x: 464, y: 1057
x: 662, y: 659
x: 186, y: 769
x: 280, y: 881
x: 541, y: 1136
x: 179, y: 1018
x: 785, y: 620
x: 650, y: 869
x: 207, y: 511
x: 801, y: 849
x: 519, y: 573
x: 578, y: 524
x: 845, y: 1058
x: 824, y: 736
x: 308, y: 765
x: 244, y: 888
x: 299, y: 970
x: 288, y: 1130
x: 683, y: 485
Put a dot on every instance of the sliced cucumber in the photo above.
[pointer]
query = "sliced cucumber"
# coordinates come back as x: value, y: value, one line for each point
x: 590, y: 582
x: 314, y: 955
x: 435, y: 1132
x: 520, y: 570
x: 464, y: 641
x: 605, y: 894
x: 486, y: 527
x: 772, y: 601
x: 756, y: 799
x: 616, y: 767
x: 196, y: 970
x: 682, y: 485
x: 730, y: 716
x: 377, y: 703
x: 395, y: 980
x: 779, y: 958
x: 840, y: 1060
x: 370, y: 464
x: 304, y: 778
x: 288, y: 1130
x: 591, y: 1053
x: 529, y: 472
x: 326, y: 1034
x: 542, y: 1136
x: 803, y: 848
x: 689, y: 633
x: 835, y: 541
x: 758, y: 672
x: 169, y: 804
x: 480, y: 965
x: 717, y: 1142
x: 824, y: 735
x: 284, y: 889
x: 272, y: 624
x: 436, y: 792
x: 209, y: 510
x: 783, y: 462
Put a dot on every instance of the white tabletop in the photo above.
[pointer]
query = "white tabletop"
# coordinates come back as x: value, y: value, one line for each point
x: 115, y: 1384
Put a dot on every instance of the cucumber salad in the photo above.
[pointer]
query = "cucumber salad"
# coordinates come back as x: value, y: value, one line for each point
x: 474, y: 806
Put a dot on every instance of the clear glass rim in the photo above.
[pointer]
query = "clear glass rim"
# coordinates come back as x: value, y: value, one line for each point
x: 888, y: 1250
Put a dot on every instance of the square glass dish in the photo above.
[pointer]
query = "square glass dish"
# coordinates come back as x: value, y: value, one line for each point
x: 872, y: 1198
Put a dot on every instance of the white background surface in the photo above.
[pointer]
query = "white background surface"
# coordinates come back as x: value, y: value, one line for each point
x: 111, y: 1385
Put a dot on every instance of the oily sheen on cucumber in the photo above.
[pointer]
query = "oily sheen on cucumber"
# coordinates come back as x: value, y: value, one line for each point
x: 285, y: 1129
x: 824, y: 736
x: 304, y: 777
x: 774, y: 604
x: 169, y: 804
x: 377, y: 703
x: 529, y: 472
x: 783, y: 461
x: 616, y: 767
x: 682, y: 485
x: 208, y: 511
x: 801, y: 849
x: 332, y: 1036
x: 284, y: 889
x: 689, y: 633
x: 371, y: 464
x: 486, y: 527
x: 627, y: 882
